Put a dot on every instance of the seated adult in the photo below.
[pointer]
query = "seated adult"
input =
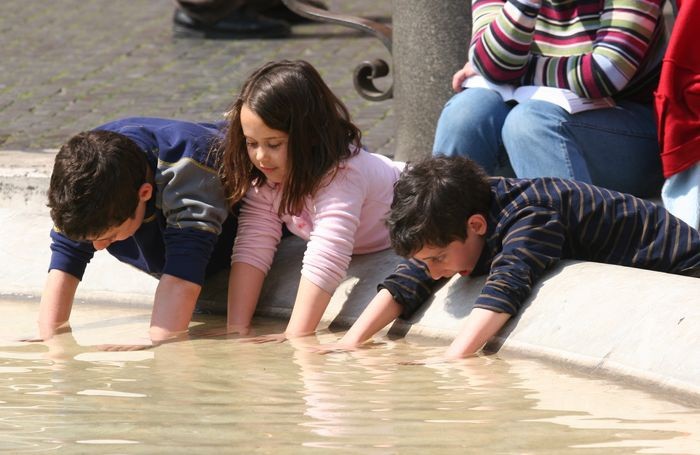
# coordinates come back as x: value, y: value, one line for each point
x: 593, y: 49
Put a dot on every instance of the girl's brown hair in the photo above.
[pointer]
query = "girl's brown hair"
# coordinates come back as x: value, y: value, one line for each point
x: 290, y: 96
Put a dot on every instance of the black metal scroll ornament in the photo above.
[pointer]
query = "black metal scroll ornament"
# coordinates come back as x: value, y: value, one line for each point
x: 366, y: 72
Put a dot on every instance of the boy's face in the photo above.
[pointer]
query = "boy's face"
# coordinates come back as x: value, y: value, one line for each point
x: 267, y: 148
x: 128, y: 227
x: 458, y: 256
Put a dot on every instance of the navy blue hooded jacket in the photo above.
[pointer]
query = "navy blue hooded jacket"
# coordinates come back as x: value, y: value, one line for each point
x: 186, y: 216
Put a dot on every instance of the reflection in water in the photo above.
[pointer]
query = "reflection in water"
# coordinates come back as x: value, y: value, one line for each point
x: 221, y: 395
x: 366, y: 400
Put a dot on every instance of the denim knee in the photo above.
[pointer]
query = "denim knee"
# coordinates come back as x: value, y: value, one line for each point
x: 537, y: 143
x: 470, y: 125
x: 530, y: 122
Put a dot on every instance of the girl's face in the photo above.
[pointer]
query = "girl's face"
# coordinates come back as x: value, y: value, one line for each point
x: 267, y: 148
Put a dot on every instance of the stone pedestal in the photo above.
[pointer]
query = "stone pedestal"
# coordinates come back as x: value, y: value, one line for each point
x: 430, y: 42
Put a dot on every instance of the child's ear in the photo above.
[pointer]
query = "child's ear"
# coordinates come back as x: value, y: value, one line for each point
x: 145, y: 192
x: 477, y: 224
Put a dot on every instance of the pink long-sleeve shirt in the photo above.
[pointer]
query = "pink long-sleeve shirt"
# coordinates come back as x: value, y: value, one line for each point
x: 345, y: 217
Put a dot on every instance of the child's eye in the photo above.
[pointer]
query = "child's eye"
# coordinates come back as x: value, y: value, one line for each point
x: 249, y: 144
x: 274, y: 146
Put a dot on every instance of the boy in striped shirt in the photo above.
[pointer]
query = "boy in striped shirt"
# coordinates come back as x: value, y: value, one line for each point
x: 448, y: 217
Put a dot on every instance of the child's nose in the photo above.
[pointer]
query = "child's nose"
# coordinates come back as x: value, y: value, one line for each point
x: 101, y: 244
x: 435, y: 272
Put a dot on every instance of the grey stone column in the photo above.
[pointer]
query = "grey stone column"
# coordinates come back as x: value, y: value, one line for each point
x: 430, y: 42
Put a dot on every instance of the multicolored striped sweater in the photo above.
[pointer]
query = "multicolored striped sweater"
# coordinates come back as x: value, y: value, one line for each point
x: 595, y: 48
x: 532, y: 224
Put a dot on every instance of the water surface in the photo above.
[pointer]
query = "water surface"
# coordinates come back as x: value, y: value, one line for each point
x: 225, y: 396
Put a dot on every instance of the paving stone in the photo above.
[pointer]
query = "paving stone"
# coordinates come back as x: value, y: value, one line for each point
x: 70, y: 65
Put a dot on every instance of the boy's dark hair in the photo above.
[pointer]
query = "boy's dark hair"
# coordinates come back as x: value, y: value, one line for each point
x: 94, y: 184
x: 290, y: 96
x: 433, y: 199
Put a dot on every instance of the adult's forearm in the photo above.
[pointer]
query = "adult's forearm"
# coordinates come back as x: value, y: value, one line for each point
x: 501, y: 41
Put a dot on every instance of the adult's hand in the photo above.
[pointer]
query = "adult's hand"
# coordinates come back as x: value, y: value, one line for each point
x: 461, y: 75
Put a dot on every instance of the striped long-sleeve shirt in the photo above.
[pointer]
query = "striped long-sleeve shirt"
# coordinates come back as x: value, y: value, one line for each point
x: 596, y: 48
x: 534, y: 223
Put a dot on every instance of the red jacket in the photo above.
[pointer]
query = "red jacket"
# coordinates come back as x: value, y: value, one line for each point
x: 678, y: 94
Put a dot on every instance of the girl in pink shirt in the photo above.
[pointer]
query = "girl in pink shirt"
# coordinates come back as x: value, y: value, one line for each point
x: 294, y: 157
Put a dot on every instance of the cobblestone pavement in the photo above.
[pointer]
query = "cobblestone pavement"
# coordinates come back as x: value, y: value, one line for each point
x: 70, y: 65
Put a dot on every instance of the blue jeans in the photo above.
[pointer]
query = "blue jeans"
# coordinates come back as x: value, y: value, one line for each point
x: 616, y: 148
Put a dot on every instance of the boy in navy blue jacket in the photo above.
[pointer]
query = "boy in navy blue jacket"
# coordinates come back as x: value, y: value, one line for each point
x: 449, y: 218
x: 147, y: 191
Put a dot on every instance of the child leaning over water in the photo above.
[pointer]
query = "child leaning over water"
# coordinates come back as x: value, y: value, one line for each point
x: 145, y: 190
x: 449, y: 218
x: 294, y: 157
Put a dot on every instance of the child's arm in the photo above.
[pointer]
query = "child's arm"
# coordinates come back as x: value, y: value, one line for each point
x: 533, y: 243
x: 56, y: 302
x: 245, y: 284
x: 69, y: 259
x: 194, y: 205
x: 309, y: 305
x: 478, y: 328
x: 173, y: 304
x: 382, y: 310
x: 259, y: 233
x: 401, y: 294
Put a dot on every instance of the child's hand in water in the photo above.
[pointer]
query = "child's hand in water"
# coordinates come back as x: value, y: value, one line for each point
x: 426, y: 361
x: 38, y: 338
x: 341, y: 346
x: 141, y: 343
x: 29, y: 339
x: 126, y: 347
x: 445, y: 358
x: 135, y: 344
x: 222, y: 331
x: 331, y: 348
x: 271, y: 338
